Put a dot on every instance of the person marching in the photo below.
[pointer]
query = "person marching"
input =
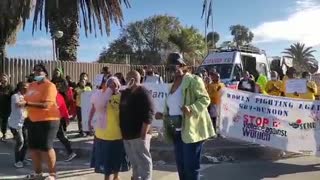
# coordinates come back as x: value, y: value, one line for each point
x: 108, y: 154
x: 186, y: 119
x: 214, y: 91
x: 17, y: 124
x: 274, y: 86
x: 136, y: 115
x: 82, y: 87
x: 62, y: 87
x: 44, y: 115
x: 312, y: 89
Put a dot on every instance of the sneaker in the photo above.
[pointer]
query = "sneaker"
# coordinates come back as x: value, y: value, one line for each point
x: 18, y: 164
x: 34, y: 176
x: 4, y: 138
x: 27, y: 163
x: 71, y: 157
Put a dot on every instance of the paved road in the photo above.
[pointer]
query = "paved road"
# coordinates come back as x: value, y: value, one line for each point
x: 302, y: 168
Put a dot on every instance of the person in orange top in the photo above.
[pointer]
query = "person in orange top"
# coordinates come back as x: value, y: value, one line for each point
x: 43, y: 126
x: 214, y: 90
x: 274, y: 86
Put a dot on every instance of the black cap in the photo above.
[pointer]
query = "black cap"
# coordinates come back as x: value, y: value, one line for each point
x: 175, y: 59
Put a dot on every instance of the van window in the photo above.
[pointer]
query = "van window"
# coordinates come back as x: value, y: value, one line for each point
x: 250, y: 64
x: 262, y: 68
x: 237, y: 72
x: 223, y: 69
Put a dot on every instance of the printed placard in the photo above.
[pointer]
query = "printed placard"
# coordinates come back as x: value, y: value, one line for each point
x: 282, y: 123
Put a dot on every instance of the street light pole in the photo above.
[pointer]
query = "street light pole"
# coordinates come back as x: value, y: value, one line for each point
x: 55, y: 36
x: 54, y: 49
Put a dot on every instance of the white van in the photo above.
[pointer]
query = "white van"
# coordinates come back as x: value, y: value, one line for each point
x: 231, y: 64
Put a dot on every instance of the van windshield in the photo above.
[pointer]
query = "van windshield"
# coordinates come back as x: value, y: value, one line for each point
x: 224, y: 70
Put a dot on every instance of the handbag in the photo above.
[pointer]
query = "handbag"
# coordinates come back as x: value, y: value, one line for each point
x: 173, y: 123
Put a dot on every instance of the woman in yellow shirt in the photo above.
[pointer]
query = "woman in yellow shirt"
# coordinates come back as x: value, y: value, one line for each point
x: 108, y: 154
x: 312, y: 88
x: 214, y: 91
x: 274, y: 86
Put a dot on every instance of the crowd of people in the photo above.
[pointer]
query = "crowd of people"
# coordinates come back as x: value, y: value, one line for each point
x: 40, y: 110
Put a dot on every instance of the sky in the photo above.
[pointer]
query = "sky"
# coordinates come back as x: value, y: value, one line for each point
x: 276, y: 25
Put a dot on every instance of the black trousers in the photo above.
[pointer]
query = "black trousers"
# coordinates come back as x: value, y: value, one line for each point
x: 4, y: 122
x: 61, y: 135
x: 20, y: 150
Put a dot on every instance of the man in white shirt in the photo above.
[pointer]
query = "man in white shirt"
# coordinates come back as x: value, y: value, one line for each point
x: 151, y: 77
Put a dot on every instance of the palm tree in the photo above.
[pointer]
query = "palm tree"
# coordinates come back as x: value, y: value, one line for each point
x: 13, y: 14
x: 301, y: 55
x: 64, y: 15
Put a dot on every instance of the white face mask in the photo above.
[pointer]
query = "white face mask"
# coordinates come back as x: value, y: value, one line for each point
x: 274, y: 78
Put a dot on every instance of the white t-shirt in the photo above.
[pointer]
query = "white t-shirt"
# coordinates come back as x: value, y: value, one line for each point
x: 153, y: 79
x: 174, y: 102
x: 18, y: 114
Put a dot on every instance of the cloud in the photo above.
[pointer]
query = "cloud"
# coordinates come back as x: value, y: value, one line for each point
x: 301, y: 26
x: 39, y: 42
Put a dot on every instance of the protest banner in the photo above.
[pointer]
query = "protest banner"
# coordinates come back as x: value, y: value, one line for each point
x: 278, y: 122
x: 85, y: 109
x: 98, y: 80
x: 158, y: 92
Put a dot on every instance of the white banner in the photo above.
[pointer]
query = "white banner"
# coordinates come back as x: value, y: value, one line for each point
x: 158, y: 92
x: 282, y: 123
x: 85, y: 109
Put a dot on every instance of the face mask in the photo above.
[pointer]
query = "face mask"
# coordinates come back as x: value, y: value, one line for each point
x: 308, y: 77
x: 274, y: 78
x: 39, y: 78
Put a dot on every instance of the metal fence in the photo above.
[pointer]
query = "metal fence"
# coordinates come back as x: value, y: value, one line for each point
x: 18, y: 68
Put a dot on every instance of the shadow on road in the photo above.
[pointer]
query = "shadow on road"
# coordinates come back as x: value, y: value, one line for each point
x: 257, y: 170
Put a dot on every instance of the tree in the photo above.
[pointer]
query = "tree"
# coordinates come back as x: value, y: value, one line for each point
x: 189, y: 42
x: 303, y: 58
x: 241, y: 34
x: 149, y: 37
x: 117, y: 53
x: 212, y: 41
x: 65, y: 15
x: 13, y: 14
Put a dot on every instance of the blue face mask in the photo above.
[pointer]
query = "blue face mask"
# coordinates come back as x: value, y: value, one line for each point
x: 39, y: 78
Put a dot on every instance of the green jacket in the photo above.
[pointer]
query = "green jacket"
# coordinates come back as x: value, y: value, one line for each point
x: 198, y: 126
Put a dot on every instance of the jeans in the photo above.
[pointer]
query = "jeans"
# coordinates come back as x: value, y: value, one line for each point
x: 4, y: 123
x: 138, y: 152
x: 61, y: 135
x: 79, y: 117
x: 20, y: 136
x: 188, y: 157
